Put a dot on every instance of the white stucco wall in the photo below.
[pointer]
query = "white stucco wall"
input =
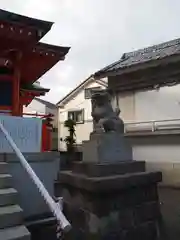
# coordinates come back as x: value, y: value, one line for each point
x: 77, y: 103
x: 40, y: 108
x: 161, y: 153
x: 35, y: 106
x: 126, y: 104
x: 158, y: 104
x: 162, y: 104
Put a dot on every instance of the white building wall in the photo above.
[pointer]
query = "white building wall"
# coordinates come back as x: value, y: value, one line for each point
x: 53, y: 111
x: 158, y: 104
x: 162, y: 104
x: 40, y: 108
x: 35, y: 106
x: 127, y: 106
x: 83, y: 129
x: 161, y: 153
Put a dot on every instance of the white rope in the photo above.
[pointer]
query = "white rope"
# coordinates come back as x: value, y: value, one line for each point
x: 54, y: 207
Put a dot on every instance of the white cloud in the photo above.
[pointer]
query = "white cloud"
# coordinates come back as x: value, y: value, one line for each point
x: 98, y: 31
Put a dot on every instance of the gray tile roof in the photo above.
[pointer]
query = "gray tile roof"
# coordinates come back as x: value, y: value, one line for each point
x: 48, y: 104
x: 144, y: 55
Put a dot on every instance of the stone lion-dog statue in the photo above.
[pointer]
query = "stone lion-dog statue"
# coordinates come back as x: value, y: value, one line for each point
x: 105, y: 119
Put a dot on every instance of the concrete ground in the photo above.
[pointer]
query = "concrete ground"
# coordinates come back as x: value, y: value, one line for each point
x: 170, y: 207
x: 46, y: 232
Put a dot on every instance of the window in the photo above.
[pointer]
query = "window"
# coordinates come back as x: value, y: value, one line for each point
x: 88, y: 92
x: 77, y: 116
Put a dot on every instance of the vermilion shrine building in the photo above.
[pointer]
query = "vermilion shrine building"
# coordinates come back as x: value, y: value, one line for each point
x: 23, y: 60
x: 25, y: 141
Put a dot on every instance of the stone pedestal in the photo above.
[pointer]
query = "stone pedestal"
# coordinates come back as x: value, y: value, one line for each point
x: 111, y: 201
x: 108, y: 147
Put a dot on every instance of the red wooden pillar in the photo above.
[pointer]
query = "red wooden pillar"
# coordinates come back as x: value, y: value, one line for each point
x: 46, y: 137
x: 20, y: 109
x: 16, y: 86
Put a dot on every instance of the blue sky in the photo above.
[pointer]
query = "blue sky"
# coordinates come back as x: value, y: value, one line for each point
x: 98, y: 32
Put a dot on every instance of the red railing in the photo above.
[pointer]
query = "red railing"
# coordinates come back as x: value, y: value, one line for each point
x: 46, y: 130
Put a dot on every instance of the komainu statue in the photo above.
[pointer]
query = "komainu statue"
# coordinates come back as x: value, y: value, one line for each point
x: 105, y: 119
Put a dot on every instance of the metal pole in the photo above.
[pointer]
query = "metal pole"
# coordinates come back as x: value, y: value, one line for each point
x: 65, y: 225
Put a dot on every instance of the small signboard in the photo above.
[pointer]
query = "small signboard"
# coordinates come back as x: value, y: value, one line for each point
x: 26, y: 133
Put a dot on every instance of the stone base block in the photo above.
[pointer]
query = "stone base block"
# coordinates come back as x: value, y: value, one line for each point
x: 108, y: 183
x: 122, y: 207
x: 106, y: 169
x: 107, y: 148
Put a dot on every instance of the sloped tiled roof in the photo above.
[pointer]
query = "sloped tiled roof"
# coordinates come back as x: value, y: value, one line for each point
x: 48, y: 104
x: 35, y: 87
x: 23, y: 20
x: 144, y: 55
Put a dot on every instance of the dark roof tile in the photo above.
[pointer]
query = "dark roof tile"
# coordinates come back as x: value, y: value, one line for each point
x: 144, y: 55
x: 48, y: 104
x: 19, y: 19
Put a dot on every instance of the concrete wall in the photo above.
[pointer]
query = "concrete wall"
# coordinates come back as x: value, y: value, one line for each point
x: 170, y: 199
x: 26, y: 132
x: 46, y: 166
x: 82, y: 129
x: 160, y: 153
